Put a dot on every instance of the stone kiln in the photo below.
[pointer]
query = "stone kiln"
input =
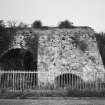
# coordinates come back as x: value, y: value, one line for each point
x: 57, y: 51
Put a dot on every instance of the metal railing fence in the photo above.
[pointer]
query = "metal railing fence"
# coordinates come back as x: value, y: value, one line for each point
x: 23, y: 80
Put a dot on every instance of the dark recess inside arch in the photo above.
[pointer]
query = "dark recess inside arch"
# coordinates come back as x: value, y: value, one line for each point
x: 18, y: 59
x: 67, y: 79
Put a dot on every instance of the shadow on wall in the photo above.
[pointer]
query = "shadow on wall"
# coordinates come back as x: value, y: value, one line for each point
x: 100, y: 38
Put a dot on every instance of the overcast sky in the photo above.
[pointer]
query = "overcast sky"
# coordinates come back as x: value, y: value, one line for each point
x: 51, y: 12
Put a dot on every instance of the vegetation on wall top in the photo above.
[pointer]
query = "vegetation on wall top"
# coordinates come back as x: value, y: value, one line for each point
x: 66, y: 24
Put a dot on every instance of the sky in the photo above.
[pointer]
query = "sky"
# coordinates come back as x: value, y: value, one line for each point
x: 51, y: 12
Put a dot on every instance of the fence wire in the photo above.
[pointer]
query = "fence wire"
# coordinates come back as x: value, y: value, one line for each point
x: 23, y: 80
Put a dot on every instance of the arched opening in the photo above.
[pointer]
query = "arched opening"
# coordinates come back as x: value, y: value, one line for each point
x: 68, y: 80
x: 18, y: 60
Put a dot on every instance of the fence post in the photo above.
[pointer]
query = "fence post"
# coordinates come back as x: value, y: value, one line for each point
x: 96, y: 84
x: 13, y: 80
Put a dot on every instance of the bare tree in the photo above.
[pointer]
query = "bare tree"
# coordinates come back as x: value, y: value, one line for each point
x: 12, y: 23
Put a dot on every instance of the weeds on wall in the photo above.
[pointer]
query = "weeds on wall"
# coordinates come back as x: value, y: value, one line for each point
x: 81, y: 44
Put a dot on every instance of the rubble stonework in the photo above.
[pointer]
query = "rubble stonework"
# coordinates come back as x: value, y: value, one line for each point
x: 69, y: 50
x: 63, y: 50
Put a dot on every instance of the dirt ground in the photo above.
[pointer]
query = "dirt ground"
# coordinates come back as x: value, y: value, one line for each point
x: 52, y: 102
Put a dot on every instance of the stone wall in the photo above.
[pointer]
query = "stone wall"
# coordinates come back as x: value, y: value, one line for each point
x: 61, y: 50
x: 69, y: 50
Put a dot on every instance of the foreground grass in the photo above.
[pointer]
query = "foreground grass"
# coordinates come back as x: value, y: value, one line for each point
x: 86, y: 93
x: 50, y: 93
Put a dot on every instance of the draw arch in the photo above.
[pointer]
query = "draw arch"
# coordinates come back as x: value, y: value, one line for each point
x: 18, y: 59
x: 68, y: 80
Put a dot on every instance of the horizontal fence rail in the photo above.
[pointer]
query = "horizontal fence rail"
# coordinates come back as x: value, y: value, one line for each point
x: 23, y: 80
